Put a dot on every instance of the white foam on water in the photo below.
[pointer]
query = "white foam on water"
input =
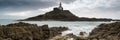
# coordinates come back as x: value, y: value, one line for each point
x: 77, y: 30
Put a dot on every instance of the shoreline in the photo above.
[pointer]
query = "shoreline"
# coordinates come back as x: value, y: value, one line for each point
x: 26, y: 31
x: 51, y: 32
x: 104, y: 31
x: 73, y: 26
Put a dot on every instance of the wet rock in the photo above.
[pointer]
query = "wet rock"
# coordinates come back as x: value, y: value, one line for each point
x: 66, y: 37
x: 26, y: 31
x: 70, y: 36
x: 107, y: 31
x: 0, y: 25
x: 83, y: 35
x: 102, y: 32
x: 57, y: 31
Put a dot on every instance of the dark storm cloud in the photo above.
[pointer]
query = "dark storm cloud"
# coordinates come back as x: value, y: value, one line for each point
x: 9, y: 6
x: 24, y: 4
x: 12, y: 8
x: 115, y: 6
x: 68, y: 1
x: 18, y: 5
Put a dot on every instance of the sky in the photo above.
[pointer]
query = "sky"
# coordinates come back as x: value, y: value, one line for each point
x: 21, y: 9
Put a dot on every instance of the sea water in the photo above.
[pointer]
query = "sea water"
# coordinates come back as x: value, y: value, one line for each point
x: 75, y: 27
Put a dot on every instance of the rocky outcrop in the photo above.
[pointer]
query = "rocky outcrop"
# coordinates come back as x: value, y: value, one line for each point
x: 57, y: 31
x: 106, y: 31
x: 56, y: 15
x: 70, y: 36
x: 26, y: 31
x: 109, y: 31
x: 62, y: 15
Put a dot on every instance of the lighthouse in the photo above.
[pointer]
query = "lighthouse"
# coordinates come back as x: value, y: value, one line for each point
x: 60, y: 6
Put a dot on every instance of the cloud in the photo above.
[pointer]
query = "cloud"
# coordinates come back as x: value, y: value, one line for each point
x: 22, y: 14
x: 30, y: 13
x: 23, y: 5
x: 81, y: 8
x: 96, y: 8
x: 63, y: 1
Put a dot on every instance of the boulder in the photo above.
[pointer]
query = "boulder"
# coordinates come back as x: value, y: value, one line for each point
x: 57, y: 31
x: 26, y: 31
x: 109, y: 31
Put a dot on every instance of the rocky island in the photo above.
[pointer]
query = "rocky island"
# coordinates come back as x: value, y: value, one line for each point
x: 59, y: 14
